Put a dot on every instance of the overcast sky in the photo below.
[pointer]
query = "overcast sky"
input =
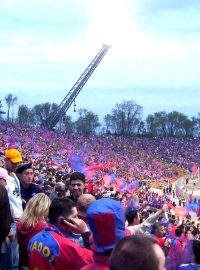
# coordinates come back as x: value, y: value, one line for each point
x: 45, y: 45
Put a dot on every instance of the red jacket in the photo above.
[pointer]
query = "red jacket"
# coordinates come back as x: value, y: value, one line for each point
x: 50, y: 249
x: 24, y: 234
x: 101, y: 262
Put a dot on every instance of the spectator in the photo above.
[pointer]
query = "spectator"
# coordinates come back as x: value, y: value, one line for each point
x: 158, y: 232
x: 83, y: 202
x: 136, y: 253
x: 60, y: 191
x: 82, y: 205
x: 107, y: 223
x: 12, y: 159
x: 5, y: 214
x: 196, y: 264
x: 175, y: 255
x: 50, y: 249
x: 27, y: 186
x: 32, y: 221
x: 48, y: 189
x: 133, y: 218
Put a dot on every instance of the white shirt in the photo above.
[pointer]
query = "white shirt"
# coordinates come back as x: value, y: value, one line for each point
x: 13, y: 189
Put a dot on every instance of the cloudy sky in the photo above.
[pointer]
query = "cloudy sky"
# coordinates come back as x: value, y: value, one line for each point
x: 45, y: 45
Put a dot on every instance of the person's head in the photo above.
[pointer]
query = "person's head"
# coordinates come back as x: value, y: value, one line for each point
x: 189, y: 235
x: 83, y: 202
x: 60, y: 209
x: 195, y: 234
x: 137, y: 252
x: 4, y: 177
x: 37, y: 209
x: 182, y: 228
x: 158, y: 229
x: 77, y: 184
x: 107, y: 222
x: 25, y: 174
x: 132, y: 216
x: 196, y: 251
x: 60, y: 186
x: 12, y: 159
x: 48, y: 189
x: 178, y: 232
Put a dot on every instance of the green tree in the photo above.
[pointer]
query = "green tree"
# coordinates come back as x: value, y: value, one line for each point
x: 157, y: 124
x: 141, y: 129
x: 175, y: 124
x: 43, y: 112
x: 25, y: 115
x: 172, y: 124
x: 108, y: 120
x: 67, y: 123
x: 87, y: 122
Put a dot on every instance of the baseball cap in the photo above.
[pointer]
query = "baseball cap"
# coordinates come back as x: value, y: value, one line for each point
x: 4, y: 174
x: 23, y: 167
x: 48, y: 187
x: 14, y: 155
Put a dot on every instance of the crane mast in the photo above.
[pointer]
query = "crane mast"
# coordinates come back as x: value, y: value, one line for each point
x: 75, y: 90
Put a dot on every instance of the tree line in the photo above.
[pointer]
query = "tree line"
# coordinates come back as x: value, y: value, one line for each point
x: 125, y: 119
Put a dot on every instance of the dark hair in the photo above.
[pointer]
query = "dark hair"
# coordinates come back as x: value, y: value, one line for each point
x: 178, y: 232
x: 196, y: 250
x: 77, y: 176
x: 156, y: 226
x: 182, y: 227
x: 131, y: 215
x: 134, y: 252
x: 60, y: 207
x: 172, y: 221
x: 195, y: 232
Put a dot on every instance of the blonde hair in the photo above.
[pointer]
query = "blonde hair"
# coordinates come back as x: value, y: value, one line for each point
x: 37, y: 209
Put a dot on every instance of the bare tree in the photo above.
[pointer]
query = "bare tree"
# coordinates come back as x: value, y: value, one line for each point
x: 11, y: 100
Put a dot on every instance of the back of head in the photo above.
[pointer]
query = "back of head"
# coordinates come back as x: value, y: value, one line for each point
x: 60, y: 207
x: 134, y: 252
x: 107, y: 223
x: 60, y: 186
x: 131, y: 214
x: 196, y: 250
x: 195, y: 232
x: 178, y: 232
x: 84, y: 201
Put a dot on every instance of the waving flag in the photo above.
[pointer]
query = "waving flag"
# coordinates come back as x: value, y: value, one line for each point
x: 193, y: 168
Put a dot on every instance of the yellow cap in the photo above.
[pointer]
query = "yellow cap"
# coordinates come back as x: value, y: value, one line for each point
x: 14, y: 155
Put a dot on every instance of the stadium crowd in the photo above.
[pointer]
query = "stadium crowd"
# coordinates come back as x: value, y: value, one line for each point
x: 68, y: 201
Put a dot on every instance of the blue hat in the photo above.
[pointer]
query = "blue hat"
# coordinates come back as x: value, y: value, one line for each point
x: 41, y: 179
x: 106, y: 219
x: 48, y: 187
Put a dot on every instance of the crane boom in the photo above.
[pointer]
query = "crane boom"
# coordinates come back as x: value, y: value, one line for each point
x: 75, y: 90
